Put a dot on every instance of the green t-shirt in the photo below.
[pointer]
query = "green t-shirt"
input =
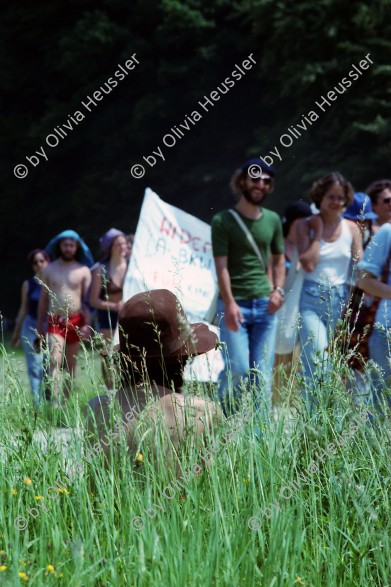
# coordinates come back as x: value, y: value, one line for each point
x: 248, y: 278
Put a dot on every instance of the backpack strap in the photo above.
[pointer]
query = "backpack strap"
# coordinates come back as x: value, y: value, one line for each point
x: 249, y: 236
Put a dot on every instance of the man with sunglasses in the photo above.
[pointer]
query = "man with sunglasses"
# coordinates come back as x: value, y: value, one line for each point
x: 248, y: 301
x: 380, y: 193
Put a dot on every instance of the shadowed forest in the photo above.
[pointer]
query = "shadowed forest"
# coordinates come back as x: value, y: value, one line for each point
x: 55, y: 55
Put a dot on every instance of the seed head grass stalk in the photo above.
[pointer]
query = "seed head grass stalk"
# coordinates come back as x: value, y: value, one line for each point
x: 334, y: 529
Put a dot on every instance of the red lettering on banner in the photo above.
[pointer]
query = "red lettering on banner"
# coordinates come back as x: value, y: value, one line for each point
x: 163, y: 229
x: 189, y: 237
x: 185, y: 237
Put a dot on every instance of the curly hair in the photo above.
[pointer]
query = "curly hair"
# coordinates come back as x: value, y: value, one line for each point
x: 322, y: 185
x: 376, y: 187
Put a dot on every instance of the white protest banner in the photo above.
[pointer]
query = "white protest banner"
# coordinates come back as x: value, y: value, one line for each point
x: 172, y: 250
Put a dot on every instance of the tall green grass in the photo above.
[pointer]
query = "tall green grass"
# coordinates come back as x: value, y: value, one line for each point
x: 335, y: 529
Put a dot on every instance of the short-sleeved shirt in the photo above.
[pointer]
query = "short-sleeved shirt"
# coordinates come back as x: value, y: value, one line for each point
x: 374, y: 260
x: 248, y: 278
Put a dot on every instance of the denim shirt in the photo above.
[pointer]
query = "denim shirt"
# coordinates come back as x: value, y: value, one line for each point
x: 375, y: 257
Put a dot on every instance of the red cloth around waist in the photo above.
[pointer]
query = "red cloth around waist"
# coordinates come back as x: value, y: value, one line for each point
x: 66, y: 326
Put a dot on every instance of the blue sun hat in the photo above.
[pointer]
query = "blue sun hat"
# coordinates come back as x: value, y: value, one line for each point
x: 360, y: 208
x: 84, y: 255
x: 258, y: 163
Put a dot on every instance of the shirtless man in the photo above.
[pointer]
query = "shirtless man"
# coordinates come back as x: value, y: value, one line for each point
x: 62, y: 298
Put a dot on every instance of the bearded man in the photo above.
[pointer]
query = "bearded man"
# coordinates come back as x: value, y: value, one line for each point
x: 65, y: 284
x: 248, y: 302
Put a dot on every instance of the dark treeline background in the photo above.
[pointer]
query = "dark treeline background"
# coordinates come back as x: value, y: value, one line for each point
x: 55, y: 54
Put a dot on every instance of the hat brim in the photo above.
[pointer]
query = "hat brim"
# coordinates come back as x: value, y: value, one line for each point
x: 367, y: 216
x: 200, y: 341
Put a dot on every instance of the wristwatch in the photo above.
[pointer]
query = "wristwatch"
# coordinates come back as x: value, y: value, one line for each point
x: 281, y: 290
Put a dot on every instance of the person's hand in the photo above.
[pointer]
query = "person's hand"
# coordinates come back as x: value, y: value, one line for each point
x: 119, y: 306
x: 15, y: 340
x: 233, y: 316
x: 39, y: 343
x: 315, y: 223
x: 85, y: 332
x: 275, y: 301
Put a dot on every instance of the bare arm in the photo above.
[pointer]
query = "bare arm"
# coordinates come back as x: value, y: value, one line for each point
x: 96, y: 287
x: 309, y: 248
x: 373, y: 286
x: 233, y: 315
x: 84, y: 290
x: 278, y: 273
x: 357, y: 246
x: 15, y: 339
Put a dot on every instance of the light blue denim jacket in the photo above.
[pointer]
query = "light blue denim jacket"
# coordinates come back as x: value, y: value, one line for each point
x: 375, y: 257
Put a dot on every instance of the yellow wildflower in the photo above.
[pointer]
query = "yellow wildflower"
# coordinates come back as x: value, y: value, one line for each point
x: 27, y: 481
x: 140, y: 457
x: 50, y: 568
x: 13, y: 492
x: 3, y: 568
x: 23, y: 576
x: 39, y: 497
x: 299, y: 580
x: 63, y: 490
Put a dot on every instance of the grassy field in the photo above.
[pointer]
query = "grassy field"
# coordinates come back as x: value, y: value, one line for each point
x: 307, y: 502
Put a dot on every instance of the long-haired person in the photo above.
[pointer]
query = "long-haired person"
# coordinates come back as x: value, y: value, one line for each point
x: 327, y: 243
x: 107, y: 283
x: 26, y: 322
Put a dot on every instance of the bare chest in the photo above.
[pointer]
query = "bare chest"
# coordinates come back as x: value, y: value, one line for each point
x: 68, y: 279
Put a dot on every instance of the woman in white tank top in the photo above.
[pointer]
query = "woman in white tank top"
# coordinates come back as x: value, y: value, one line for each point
x: 326, y: 244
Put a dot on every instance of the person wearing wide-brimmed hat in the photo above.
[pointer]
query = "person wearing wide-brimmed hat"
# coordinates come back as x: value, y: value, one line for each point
x: 66, y: 281
x: 108, y: 278
x: 155, y: 341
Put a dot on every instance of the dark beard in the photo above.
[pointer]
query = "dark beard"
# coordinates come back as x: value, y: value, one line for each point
x: 248, y: 196
x: 67, y: 259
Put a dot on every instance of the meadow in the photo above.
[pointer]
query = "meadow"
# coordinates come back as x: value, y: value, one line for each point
x: 303, y: 501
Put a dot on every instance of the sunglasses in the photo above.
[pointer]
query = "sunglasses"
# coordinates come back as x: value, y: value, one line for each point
x: 266, y: 180
x: 387, y: 200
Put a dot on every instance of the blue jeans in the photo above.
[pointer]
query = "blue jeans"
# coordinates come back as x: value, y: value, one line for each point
x: 34, y: 360
x: 249, y: 352
x: 379, y: 345
x: 320, y: 308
